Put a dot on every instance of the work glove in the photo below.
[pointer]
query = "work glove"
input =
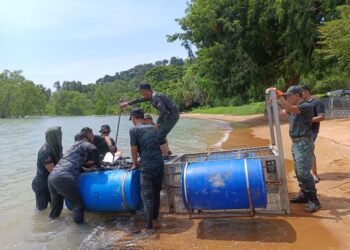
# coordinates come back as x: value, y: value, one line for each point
x: 279, y: 93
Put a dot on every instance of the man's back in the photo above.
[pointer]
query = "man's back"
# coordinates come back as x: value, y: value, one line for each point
x: 145, y: 137
x: 75, y: 157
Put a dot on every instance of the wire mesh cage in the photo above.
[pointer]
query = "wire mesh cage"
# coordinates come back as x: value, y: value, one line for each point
x: 272, y: 160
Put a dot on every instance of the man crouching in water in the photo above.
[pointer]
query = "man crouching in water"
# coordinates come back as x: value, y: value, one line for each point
x: 144, y: 141
x: 63, y: 180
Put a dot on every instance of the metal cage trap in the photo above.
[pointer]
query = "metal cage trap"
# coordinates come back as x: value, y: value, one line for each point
x: 272, y: 159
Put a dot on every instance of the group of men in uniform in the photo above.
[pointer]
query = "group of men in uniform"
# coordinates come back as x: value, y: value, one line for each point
x: 57, y: 174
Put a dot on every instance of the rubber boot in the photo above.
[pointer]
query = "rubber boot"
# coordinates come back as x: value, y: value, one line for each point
x: 313, y: 204
x: 78, y: 215
x: 301, y: 198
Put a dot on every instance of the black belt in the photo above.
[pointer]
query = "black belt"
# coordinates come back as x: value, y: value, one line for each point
x: 302, y: 138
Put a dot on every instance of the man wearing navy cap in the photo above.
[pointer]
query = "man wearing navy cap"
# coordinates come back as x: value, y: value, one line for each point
x: 145, y: 142
x: 168, y: 113
x: 300, y: 120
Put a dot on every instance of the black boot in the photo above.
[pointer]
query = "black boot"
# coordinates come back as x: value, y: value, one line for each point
x: 301, y: 198
x: 313, y: 204
x: 78, y: 215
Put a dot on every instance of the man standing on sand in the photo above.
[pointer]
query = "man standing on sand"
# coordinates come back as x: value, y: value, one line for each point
x: 144, y: 142
x: 300, y: 120
x: 319, y: 115
x: 168, y: 113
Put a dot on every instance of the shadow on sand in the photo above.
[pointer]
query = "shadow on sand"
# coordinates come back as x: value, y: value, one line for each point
x: 247, y: 229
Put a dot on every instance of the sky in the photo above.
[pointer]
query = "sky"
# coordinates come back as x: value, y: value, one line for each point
x: 83, y: 40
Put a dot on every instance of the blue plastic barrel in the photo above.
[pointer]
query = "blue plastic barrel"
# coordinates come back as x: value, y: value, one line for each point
x: 224, y: 184
x: 110, y: 191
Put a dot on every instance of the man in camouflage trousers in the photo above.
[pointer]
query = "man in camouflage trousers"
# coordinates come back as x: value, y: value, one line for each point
x: 300, y: 131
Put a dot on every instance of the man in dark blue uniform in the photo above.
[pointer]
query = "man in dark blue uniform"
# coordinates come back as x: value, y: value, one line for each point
x: 168, y: 113
x: 63, y: 180
x: 300, y: 120
x: 104, y: 143
x: 145, y: 143
x: 48, y: 156
x: 319, y: 115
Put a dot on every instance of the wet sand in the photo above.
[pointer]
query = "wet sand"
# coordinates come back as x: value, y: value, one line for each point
x: 325, y: 229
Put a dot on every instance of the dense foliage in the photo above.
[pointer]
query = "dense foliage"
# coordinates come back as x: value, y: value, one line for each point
x: 332, y: 69
x: 241, y: 47
x: 245, y: 46
x: 20, y: 97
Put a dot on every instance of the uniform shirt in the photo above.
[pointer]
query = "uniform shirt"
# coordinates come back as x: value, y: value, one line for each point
x: 162, y: 103
x: 45, y: 157
x: 300, y: 124
x: 318, y: 109
x: 145, y: 137
x: 101, y: 145
x: 75, y: 157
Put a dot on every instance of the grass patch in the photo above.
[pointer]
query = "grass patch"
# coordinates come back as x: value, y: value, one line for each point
x: 247, y: 109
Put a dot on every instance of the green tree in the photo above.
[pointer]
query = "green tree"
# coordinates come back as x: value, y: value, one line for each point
x: 245, y: 46
x: 20, y: 97
x: 67, y: 102
x: 335, y: 39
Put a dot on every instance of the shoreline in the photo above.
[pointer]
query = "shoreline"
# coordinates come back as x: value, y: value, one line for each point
x: 325, y: 229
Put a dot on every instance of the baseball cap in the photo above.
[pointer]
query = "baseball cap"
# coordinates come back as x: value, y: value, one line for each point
x: 105, y: 126
x: 137, y: 112
x: 144, y: 85
x: 294, y: 90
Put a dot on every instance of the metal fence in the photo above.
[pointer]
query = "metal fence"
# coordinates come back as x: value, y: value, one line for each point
x: 336, y: 102
x: 337, y: 106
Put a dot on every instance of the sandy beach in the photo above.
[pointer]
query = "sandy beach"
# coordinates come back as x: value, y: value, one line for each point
x: 325, y: 229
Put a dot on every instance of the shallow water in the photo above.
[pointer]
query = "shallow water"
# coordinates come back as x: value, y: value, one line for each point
x: 23, y: 228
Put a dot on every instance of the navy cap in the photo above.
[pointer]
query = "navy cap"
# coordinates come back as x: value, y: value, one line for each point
x: 145, y: 85
x: 294, y: 90
x: 137, y: 112
x: 103, y: 127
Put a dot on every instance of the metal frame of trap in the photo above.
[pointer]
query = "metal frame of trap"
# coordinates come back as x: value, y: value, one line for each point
x: 272, y: 158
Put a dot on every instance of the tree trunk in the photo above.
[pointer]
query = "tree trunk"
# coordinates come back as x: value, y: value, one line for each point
x: 292, y: 80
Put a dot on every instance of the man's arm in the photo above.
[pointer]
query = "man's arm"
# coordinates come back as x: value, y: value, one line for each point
x: 48, y: 160
x: 287, y: 106
x: 49, y: 167
x: 320, y: 112
x: 134, y: 154
x: 138, y: 100
x: 112, y: 148
x: 92, y: 156
x: 134, y: 148
x: 318, y: 118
